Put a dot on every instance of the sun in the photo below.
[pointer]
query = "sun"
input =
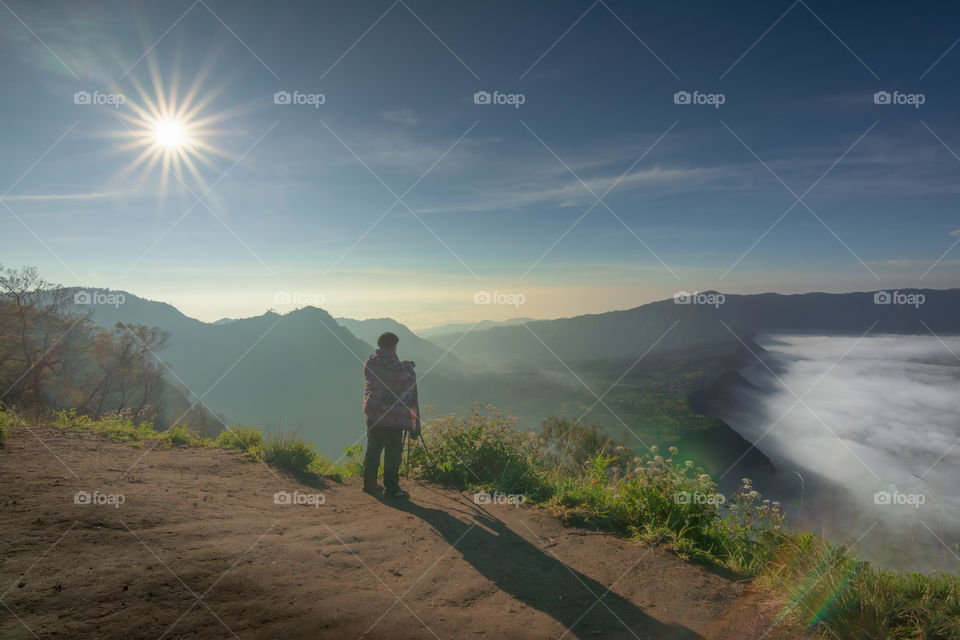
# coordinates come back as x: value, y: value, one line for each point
x: 173, y: 130
x: 169, y: 133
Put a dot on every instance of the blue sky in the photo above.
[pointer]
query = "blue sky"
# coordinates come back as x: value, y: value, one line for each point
x: 302, y: 199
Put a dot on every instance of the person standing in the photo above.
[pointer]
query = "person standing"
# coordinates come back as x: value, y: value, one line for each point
x: 390, y: 405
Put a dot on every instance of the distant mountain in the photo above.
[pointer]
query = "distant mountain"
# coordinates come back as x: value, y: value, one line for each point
x: 224, y: 321
x: 304, y: 369
x: 458, y: 327
x: 667, y: 326
x: 301, y: 369
x: 424, y: 353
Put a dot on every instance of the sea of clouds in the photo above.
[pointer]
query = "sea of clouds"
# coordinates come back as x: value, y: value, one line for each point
x: 872, y: 425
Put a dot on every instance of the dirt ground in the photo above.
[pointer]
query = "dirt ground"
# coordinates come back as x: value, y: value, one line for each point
x: 190, y: 543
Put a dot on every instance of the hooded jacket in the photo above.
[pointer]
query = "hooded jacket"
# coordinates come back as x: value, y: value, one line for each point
x: 390, y: 392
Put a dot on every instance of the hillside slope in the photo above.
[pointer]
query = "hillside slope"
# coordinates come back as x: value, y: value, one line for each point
x: 200, y: 549
x: 665, y: 326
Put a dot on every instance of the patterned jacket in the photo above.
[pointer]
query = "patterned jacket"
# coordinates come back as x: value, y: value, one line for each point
x: 390, y: 392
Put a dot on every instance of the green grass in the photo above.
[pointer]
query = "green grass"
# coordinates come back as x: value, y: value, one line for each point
x: 351, y: 466
x: 114, y: 427
x: 182, y: 437
x: 284, y: 452
x: 833, y: 590
x: 481, y: 450
x: 288, y: 453
x: 242, y: 439
x: 7, y: 420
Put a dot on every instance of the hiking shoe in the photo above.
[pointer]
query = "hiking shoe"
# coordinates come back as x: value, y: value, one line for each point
x: 397, y: 494
x: 375, y: 490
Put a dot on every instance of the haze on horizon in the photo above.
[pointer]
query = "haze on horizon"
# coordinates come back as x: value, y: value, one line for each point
x: 385, y: 185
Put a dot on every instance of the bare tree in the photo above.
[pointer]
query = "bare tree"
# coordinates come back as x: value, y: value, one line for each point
x: 52, y: 356
x: 41, y: 328
x: 124, y: 371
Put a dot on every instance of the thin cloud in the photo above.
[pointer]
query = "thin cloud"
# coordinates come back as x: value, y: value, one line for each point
x: 572, y: 193
x: 912, y: 263
x: 43, y: 197
x: 406, y: 117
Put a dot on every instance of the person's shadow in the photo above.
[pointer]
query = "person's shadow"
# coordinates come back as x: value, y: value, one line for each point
x: 540, y: 580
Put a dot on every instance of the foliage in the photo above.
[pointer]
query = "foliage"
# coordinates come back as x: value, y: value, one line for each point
x: 117, y: 426
x: 288, y: 453
x: 242, y: 438
x: 282, y: 451
x: 350, y: 466
x: 480, y: 450
x: 180, y: 436
x: 566, y: 443
x: 7, y: 420
x: 649, y: 498
x: 846, y: 597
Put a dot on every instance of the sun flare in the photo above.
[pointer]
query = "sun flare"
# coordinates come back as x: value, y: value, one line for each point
x: 173, y: 131
x: 169, y: 133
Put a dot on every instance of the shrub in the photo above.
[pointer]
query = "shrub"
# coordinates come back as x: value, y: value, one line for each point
x: 480, y: 450
x: 7, y: 420
x: 180, y: 436
x: 4, y: 432
x: 657, y: 499
x: 566, y: 443
x: 290, y: 454
x: 349, y: 467
x: 241, y: 438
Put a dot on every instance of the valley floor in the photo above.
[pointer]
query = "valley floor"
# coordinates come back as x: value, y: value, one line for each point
x: 200, y: 549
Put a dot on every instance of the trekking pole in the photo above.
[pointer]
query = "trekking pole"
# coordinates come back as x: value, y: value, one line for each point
x: 426, y: 448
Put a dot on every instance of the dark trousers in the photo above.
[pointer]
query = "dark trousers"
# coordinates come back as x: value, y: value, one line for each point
x: 380, y: 438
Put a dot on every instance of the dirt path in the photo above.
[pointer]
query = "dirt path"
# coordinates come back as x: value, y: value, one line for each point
x: 199, y: 549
